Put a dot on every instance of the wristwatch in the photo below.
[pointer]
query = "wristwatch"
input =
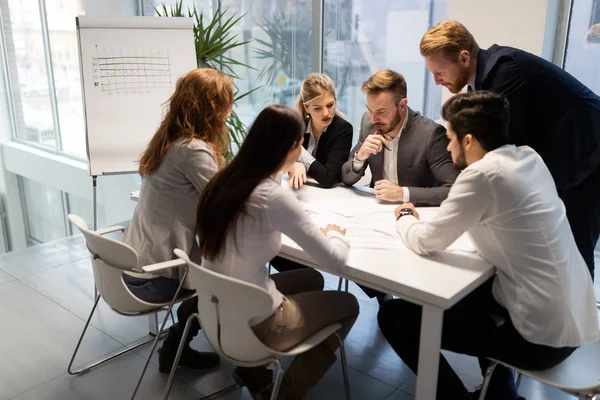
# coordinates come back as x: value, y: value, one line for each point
x: 405, y: 211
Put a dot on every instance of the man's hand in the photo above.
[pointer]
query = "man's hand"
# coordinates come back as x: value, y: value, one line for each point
x: 373, y: 144
x: 387, y: 191
x: 403, y: 206
x: 297, y: 175
x: 335, y: 228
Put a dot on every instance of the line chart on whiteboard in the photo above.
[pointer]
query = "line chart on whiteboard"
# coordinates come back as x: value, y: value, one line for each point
x: 138, y: 68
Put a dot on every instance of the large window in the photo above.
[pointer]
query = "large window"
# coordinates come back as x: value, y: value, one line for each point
x: 582, y: 58
x: 62, y: 37
x: 28, y: 71
x: 364, y: 36
x: 45, y: 212
x: 43, y: 69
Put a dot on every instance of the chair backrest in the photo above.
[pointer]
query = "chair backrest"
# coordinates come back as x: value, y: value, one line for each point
x: 226, y: 306
x: 109, y: 259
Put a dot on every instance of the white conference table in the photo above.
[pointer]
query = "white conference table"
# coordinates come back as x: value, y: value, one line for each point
x: 378, y: 259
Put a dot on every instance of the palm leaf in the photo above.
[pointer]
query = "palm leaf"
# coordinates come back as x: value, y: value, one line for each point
x: 214, y: 40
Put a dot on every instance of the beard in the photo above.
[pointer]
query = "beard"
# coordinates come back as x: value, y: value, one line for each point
x: 461, y: 161
x: 393, y: 124
x: 462, y: 79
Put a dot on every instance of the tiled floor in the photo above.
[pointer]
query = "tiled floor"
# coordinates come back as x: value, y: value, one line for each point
x: 46, y: 293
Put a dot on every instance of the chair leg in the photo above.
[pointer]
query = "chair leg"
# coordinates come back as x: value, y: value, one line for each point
x: 486, y: 381
x: 182, y: 344
x: 87, y: 323
x: 278, y: 380
x: 158, y: 334
x: 340, y: 284
x: 346, y: 285
x: 344, y: 365
x: 518, y: 380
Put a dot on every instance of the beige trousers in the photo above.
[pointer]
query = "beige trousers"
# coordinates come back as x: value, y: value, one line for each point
x: 305, y: 310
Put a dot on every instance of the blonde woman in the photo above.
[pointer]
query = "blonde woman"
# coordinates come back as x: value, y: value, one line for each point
x: 327, y: 137
x: 184, y: 154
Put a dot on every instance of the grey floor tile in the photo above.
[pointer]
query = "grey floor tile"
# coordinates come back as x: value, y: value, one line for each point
x: 72, y: 287
x: 5, y: 277
x: 400, y: 395
x: 368, y: 351
x: 43, y: 257
x: 38, y: 338
x: 114, y: 380
x: 362, y: 386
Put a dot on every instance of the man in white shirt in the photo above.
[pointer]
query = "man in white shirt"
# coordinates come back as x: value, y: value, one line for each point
x: 540, y: 306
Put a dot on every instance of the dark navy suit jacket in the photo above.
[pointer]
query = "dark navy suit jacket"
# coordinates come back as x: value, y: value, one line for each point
x: 551, y: 111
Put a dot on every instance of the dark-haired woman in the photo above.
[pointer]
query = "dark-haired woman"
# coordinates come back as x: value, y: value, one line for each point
x: 241, y: 216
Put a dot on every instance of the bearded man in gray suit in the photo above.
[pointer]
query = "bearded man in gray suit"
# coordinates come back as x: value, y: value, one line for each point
x: 405, y: 151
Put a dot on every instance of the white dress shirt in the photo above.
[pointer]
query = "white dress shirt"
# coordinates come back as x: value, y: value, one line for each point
x: 390, y: 161
x: 307, y: 157
x: 508, y: 204
x: 270, y: 211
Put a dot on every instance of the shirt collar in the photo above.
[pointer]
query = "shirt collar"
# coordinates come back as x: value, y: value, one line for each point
x: 309, y: 127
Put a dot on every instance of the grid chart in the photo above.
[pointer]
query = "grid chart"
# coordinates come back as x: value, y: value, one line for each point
x: 137, y: 69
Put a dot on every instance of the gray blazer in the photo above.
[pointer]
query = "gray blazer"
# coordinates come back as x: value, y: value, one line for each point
x: 424, y: 164
x: 165, y: 216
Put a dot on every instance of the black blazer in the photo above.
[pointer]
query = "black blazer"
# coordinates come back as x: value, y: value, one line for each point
x: 332, y: 152
x: 424, y: 163
x: 550, y: 111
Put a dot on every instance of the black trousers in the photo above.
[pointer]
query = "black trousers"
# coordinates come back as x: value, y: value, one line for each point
x: 477, y: 326
x: 583, y: 212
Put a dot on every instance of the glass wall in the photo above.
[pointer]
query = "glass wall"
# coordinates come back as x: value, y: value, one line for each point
x: 364, y: 36
x: 28, y: 72
x: 582, y: 57
x: 62, y: 37
x: 45, y: 212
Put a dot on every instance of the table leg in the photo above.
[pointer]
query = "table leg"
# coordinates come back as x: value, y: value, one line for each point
x: 429, y: 352
x: 153, y: 324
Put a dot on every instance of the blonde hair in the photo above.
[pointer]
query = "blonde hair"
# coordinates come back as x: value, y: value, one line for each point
x: 386, y: 80
x: 197, y: 109
x: 448, y: 38
x: 315, y: 86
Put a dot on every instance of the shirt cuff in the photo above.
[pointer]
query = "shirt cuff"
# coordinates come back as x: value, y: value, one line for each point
x: 306, y: 158
x: 334, y: 235
x: 405, y: 195
x: 357, y: 164
x: 404, y: 223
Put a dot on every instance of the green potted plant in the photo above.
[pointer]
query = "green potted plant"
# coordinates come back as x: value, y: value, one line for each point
x: 213, y: 41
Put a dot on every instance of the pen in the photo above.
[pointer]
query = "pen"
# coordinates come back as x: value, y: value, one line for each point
x: 384, y: 145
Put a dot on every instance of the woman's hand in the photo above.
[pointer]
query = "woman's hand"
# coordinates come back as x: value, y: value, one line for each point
x: 335, y: 228
x: 297, y: 175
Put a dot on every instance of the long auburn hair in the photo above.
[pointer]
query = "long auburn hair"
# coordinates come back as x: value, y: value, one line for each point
x: 197, y: 109
x: 276, y: 130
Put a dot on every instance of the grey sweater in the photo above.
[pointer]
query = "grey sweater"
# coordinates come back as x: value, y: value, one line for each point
x: 165, y: 216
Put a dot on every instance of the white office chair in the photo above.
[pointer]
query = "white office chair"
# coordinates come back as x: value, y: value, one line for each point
x: 225, y: 307
x: 578, y: 375
x: 110, y: 258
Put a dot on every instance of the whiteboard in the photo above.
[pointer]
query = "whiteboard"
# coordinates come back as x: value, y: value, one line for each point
x: 129, y: 67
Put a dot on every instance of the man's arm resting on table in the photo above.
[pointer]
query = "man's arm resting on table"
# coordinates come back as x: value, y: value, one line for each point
x: 469, y: 199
